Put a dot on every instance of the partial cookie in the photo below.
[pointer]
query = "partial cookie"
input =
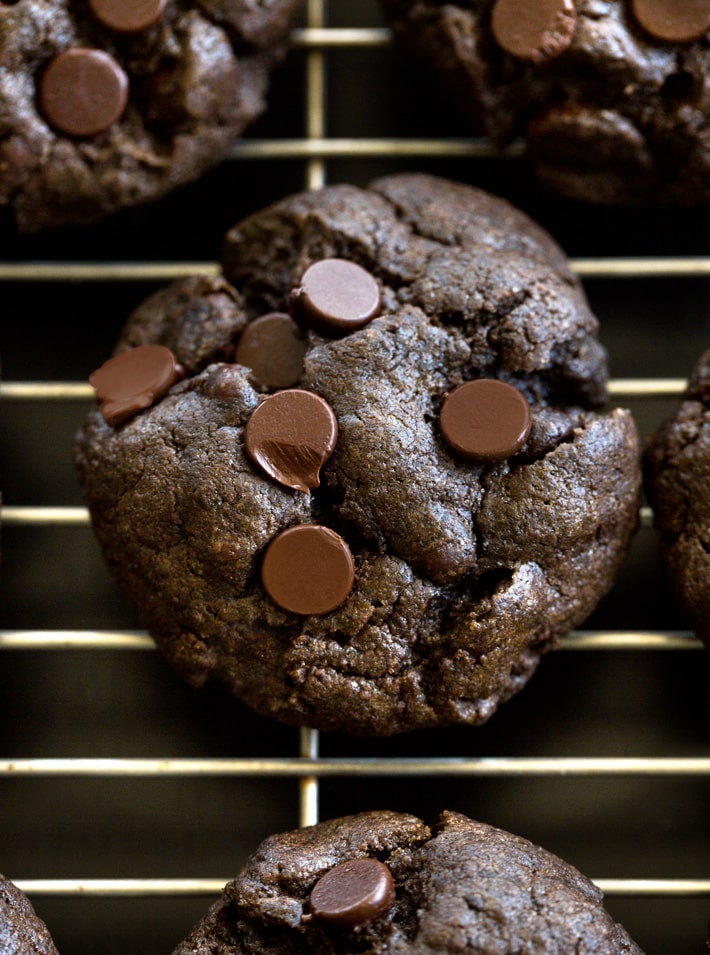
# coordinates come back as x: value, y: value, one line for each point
x: 677, y: 481
x: 21, y: 931
x: 333, y: 548
x: 108, y: 104
x: 610, y: 97
x: 384, y: 882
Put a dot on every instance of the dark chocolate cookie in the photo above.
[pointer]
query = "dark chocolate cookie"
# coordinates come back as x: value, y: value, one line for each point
x: 677, y: 481
x: 385, y: 882
x: 21, y: 931
x: 434, y: 568
x: 106, y: 104
x: 610, y: 96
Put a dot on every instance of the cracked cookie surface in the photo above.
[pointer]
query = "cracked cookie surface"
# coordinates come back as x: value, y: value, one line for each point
x: 167, y: 100
x: 465, y: 573
x: 677, y: 481
x: 460, y: 886
x: 610, y: 114
x: 21, y: 931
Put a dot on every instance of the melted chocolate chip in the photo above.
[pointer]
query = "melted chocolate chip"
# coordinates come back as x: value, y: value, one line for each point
x: 352, y: 893
x: 290, y: 436
x: 128, y: 16
x: 336, y: 297
x: 308, y: 569
x: 485, y: 420
x: 534, y: 30
x: 83, y: 92
x: 134, y: 380
x: 673, y: 21
x: 273, y: 348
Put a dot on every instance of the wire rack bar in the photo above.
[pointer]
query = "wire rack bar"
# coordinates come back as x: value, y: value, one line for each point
x: 139, y: 640
x: 338, y: 37
x: 82, y: 391
x: 212, y: 887
x: 588, y: 268
x: 491, y: 767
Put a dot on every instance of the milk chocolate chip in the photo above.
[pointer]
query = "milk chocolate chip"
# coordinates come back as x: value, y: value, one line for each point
x: 128, y: 16
x: 273, y: 347
x: 336, y: 297
x: 352, y: 893
x: 673, y: 21
x: 308, y: 569
x: 290, y: 436
x: 83, y: 91
x: 134, y: 380
x: 534, y: 30
x: 485, y: 420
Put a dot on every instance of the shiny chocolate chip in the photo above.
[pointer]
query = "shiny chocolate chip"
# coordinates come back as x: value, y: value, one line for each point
x: 534, y: 30
x: 290, y: 436
x: 673, y: 21
x: 308, y: 569
x: 128, y: 16
x: 485, y: 420
x: 83, y: 92
x: 273, y: 348
x: 336, y: 297
x: 134, y: 380
x: 352, y: 893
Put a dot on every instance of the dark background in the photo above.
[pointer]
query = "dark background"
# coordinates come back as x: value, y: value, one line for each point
x: 127, y: 703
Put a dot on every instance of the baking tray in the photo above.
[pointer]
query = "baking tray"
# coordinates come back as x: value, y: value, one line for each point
x: 126, y: 798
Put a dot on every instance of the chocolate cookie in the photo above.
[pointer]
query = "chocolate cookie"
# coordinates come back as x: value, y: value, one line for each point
x: 385, y: 882
x: 107, y: 104
x: 378, y: 546
x: 610, y: 96
x: 677, y: 481
x: 21, y: 932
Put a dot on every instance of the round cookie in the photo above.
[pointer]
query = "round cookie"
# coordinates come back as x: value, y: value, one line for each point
x: 108, y: 104
x: 677, y: 482
x: 609, y: 97
x: 461, y: 886
x: 464, y: 571
x: 21, y: 931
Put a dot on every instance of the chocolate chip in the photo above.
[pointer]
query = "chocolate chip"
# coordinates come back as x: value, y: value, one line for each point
x: 308, y: 569
x: 673, y: 21
x: 290, y: 436
x: 83, y: 92
x: 134, y: 380
x: 353, y: 892
x: 535, y: 30
x: 485, y: 420
x: 336, y: 297
x: 128, y: 16
x: 273, y: 348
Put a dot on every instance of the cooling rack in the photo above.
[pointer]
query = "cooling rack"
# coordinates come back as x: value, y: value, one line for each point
x: 127, y: 799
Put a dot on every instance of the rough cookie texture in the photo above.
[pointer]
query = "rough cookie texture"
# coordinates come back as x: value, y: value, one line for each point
x: 617, y: 117
x: 465, y: 573
x: 677, y: 481
x: 465, y: 886
x: 195, y: 80
x: 21, y: 931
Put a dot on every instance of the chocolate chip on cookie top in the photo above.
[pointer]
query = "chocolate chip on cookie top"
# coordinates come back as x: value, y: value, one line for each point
x: 673, y: 21
x: 485, y: 420
x: 83, y: 91
x: 353, y: 892
x: 273, y: 348
x: 290, y: 436
x: 308, y: 569
x: 133, y: 381
x: 128, y: 16
x: 336, y: 297
x: 535, y: 30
